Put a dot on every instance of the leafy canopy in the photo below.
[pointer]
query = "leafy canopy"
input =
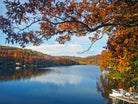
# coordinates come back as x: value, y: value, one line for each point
x: 65, y: 19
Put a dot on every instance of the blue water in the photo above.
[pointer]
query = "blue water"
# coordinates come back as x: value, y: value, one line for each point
x: 54, y: 85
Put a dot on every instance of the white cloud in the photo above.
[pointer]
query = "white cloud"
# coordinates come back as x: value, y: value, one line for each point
x: 71, y: 48
x: 58, y: 49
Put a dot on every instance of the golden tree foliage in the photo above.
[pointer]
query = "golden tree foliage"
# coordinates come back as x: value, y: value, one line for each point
x: 124, y: 48
x: 122, y: 56
x: 65, y: 19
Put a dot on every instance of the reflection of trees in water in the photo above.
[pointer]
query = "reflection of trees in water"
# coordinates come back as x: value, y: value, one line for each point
x: 103, y: 88
x: 13, y: 74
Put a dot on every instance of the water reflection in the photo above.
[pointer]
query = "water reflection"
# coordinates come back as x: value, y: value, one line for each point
x: 58, y: 78
x: 59, y: 85
x: 40, y: 75
x: 115, y: 93
x: 16, y: 74
x: 104, y: 88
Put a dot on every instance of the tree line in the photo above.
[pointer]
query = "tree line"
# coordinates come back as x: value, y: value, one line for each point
x: 12, y: 56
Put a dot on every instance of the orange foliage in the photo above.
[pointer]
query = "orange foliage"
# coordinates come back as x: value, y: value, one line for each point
x: 123, y: 49
x: 67, y: 17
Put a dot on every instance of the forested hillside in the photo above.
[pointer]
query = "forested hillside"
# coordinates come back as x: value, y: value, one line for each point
x: 19, y: 56
x: 13, y: 56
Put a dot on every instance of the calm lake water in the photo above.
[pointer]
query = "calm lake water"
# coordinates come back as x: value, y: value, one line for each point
x: 78, y: 84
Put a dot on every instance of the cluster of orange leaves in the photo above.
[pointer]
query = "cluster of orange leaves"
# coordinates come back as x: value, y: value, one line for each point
x: 122, y: 50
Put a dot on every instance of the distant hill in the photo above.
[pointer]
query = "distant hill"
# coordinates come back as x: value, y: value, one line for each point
x: 90, y: 60
x: 18, y: 56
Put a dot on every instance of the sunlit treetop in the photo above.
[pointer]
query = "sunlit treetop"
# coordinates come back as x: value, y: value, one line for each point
x: 65, y: 19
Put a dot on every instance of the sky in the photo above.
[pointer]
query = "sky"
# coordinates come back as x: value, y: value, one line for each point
x: 71, y: 48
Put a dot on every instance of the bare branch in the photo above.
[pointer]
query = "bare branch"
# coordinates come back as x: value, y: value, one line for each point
x: 91, y: 44
x: 87, y: 49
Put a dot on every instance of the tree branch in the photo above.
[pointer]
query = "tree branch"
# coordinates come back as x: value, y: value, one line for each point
x: 91, y: 45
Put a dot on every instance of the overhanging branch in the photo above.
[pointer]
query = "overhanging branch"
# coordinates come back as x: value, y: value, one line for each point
x: 91, y: 45
x: 88, y: 29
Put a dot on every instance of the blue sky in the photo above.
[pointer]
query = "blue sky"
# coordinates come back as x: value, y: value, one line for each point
x: 71, y: 48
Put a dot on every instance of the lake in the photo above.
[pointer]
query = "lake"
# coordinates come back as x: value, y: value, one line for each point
x: 78, y: 84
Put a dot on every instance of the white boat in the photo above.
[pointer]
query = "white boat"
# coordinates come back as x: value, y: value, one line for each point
x: 123, y: 94
x: 116, y: 93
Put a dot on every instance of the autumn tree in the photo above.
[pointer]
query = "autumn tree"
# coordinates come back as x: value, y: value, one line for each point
x: 65, y: 19
x: 104, y: 63
x: 124, y: 48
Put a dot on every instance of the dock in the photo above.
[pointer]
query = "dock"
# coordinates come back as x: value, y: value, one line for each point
x: 125, y: 99
x: 124, y: 96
